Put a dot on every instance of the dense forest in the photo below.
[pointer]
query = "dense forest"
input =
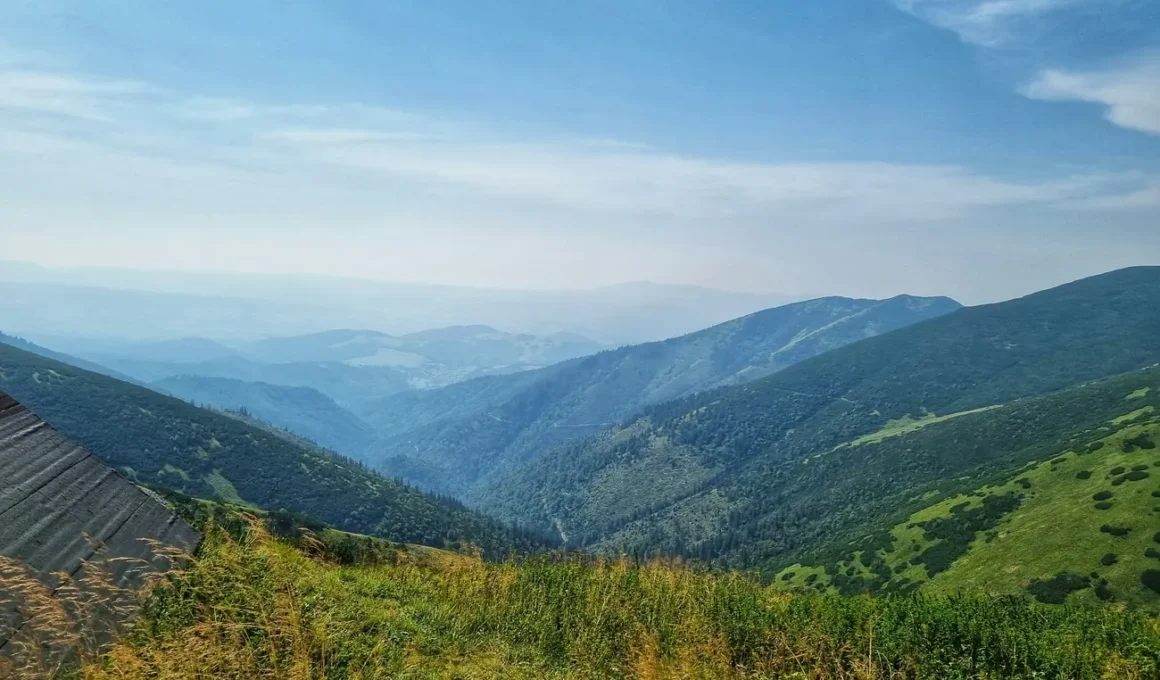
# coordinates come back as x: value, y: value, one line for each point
x: 454, y: 438
x: 769, y: 472
x: 164, y: 441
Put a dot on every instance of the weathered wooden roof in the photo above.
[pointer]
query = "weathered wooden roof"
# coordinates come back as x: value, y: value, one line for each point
x: 64, y: 515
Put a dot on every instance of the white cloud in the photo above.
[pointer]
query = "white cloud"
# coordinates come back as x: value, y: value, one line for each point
x: 991, y: 23
x: 310, y: 135
x: 622, y: 179
x: 282, y: 154
x: 213, y: 109
x: 1130, y: 91
x: 53, y: 93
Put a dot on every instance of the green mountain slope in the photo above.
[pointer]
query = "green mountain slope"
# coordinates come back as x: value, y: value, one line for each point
x: 302, y: 410
x: 165, y: 441
x: 452, y: 439
x: 1084, y: 511
x: 767, y: 472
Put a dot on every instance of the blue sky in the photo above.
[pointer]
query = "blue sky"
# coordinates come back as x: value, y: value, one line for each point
x: 978, y: 148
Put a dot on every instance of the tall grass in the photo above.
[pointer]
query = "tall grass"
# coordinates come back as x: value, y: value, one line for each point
x: 259, y: 608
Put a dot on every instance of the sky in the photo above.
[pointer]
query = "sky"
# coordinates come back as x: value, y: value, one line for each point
x: 975, y: 148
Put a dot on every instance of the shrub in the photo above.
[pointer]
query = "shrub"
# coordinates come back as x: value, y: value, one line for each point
x: 1141, y: 466
x: 1104, y: 592
x: 1156, y: 537
x: 1109, y: 559
x: 1119, y: 480
x: 1156, y: 493
x: 1104, y: 505
x: 1056, y: 589
x: 1095, y: 446
x: 811, y: 578
x: 1083, y: 474
x: 1151, y: 580
x: 1101, y: 495
x: 1118, y: 470
x: 1152, y: 552
x: 787, y: 576
x: 1118, y: 532
x: 1135, y: 475
x: 1023, y: 482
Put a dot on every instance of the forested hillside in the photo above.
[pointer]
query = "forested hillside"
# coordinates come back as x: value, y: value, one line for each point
x: 168, y: 442
x: 302, y: 410
x: 453, y: 438
x: 840, y: 446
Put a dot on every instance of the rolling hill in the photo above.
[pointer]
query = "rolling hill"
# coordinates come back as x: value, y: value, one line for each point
x: 453, y: 438
x: 167, y: 442
x: 804, y: 464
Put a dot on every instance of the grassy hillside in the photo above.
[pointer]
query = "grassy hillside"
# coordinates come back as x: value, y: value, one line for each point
x: 838, y: 447
x: 451, y: 439
x: 1080, y: 526
x: 167, y: 442
x: 302, y: 410
x: 255, y: 607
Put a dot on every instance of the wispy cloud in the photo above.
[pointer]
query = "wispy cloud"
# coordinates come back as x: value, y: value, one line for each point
x: 145, y: 135
x: 53, y: 93
x: 652, y: 182
x: 991, y: 23
x: 1129, y: 91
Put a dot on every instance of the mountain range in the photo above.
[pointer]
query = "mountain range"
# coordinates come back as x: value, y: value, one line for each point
x: 816, y: 464
x: 836, y: 445
x: 96, y: 302
x: 453, y: 438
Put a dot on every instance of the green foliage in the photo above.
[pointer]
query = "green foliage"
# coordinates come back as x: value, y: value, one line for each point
x: 257, y: 608
x: 1083, y: 474
x: 955, y: 533
x: 1104, y: 505
x: 1100, y: 495
x: 1151, y: 580
x: 132, y: 428
x: 1056, y: 589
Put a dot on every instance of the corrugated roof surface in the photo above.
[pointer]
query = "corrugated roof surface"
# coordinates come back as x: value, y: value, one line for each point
x: 64, y: 512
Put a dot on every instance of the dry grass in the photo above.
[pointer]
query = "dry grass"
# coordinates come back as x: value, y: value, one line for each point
x: 50, y: 622
x: 258, y: 608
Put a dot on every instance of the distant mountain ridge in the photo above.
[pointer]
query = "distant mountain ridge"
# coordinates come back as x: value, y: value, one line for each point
x: 143, y: 305
x: 450, y: 439
x: 436, y: 357
x: 350, y: 367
